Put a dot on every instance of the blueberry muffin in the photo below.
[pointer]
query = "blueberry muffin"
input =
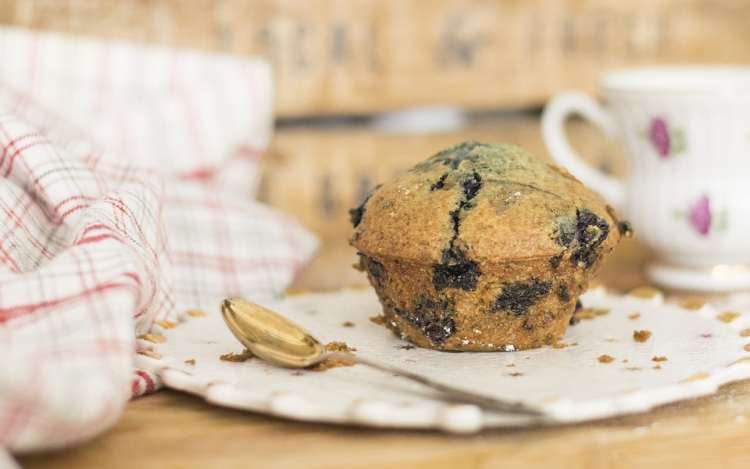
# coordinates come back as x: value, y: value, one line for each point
x: 482, y: 247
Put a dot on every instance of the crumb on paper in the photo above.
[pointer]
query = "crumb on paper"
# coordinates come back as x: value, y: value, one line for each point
x: 511, y: 365
x: 698, y: 377
x: 297, y: 291
x: 747, y: 348
x: 605, y: 359
x: 645, y: 292
x: 407, y: 347
x: 729, y: 316
x: 190, y: 362
x: 339, y: 347
x: 642, y: 336
x: 634, y: 316
x: 590, y: 313
x: 195, y: 313
x: 559, y: 345
x: 380, y: 320
x: 659, y: 359
x: 624, y: 360
x: 633, y: 368
x: 153, y: 338
x: 693, y: 304
x: 166, y: 324
x: 586, y: 313
x: 745, y: 332
x: 574, y: 344
x: 150, y: 354
x: 347, y: 324
x: 656, y: 367
x: 515, y: 374
x: 333, y: 362
x: 231, y: 357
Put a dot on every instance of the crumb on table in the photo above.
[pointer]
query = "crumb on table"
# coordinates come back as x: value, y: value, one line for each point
x: 642, y: 336
x: 605, y: 359
x: 231, y: 357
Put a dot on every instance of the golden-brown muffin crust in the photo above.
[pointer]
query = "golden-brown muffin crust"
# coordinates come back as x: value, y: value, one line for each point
x: 482, y: 247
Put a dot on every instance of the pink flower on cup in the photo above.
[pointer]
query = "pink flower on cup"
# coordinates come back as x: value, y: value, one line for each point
x: 666, y: 142
x: 703, y: 217
x: 659, y: 136
x: 700, y: 216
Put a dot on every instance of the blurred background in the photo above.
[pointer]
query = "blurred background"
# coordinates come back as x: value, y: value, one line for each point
x: 366, y: 88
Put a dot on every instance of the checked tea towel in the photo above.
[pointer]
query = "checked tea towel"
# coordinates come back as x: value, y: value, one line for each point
x: 125, y: 172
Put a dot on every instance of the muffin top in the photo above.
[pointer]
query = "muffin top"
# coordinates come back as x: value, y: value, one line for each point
x: 485, y: 203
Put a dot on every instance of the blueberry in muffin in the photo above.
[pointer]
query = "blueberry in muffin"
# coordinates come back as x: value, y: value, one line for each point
x: 482, y: 247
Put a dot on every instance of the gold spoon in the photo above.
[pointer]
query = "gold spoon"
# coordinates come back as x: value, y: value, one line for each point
x: 280, y: 341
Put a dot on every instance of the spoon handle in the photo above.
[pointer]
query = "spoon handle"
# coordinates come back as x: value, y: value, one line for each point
x: 481, y: 400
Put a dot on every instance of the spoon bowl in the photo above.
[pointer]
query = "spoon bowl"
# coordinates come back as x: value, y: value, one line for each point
x: 270, y: 336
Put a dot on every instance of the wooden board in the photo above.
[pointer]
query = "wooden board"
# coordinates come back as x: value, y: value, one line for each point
x: 364, y: 56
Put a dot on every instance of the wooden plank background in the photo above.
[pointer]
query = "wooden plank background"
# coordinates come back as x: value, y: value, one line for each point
x: 364, y: 56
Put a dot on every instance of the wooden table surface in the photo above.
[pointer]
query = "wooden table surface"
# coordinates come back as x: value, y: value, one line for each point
x: 171, y: 429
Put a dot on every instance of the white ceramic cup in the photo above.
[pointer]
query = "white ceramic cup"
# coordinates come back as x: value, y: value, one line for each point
x: 686, y: 132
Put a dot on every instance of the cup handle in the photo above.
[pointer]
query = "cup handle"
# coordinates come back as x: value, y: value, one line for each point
x: 556, y: 112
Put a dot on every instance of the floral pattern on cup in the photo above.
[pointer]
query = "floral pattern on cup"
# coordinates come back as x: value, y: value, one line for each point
x: 666, y: 142
x: 701, y: 217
